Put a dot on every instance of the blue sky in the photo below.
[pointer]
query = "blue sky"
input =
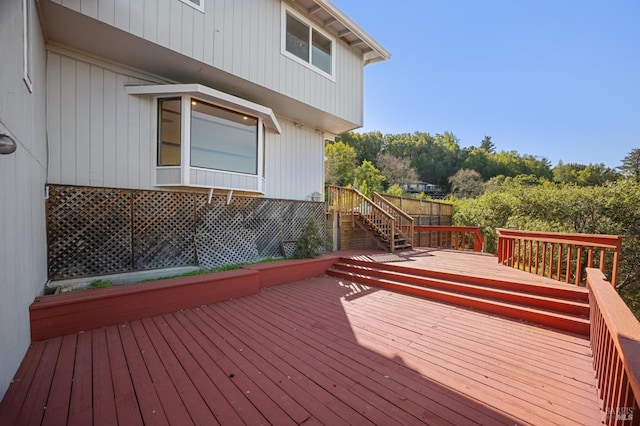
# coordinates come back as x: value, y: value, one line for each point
x: 557, y: 79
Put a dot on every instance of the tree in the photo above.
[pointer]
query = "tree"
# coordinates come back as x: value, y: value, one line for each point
x: 583, y: 175
x: 487, y: 145
x: 396, y: 170
x: 631, y: 164
x: 340, y: 164
x: 394, y: 189
x: 366, y: 145
x: 466, y: 183
x: 367, y: 178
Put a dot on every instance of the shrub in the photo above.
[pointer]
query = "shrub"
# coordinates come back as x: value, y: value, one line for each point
x: 310, y: 243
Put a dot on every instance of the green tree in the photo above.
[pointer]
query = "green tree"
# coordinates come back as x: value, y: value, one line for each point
x: 394, y: 189
x: 487, y: 145
x: 366, y: 145
x: 631, y: 164
x: 367, y: 178
x: 340, y: 164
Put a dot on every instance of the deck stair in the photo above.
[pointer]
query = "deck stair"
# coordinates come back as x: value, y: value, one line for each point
x: 371, y: 228
x: 558, y: 306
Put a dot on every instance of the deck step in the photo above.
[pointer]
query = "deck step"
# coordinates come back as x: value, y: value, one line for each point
x: 557, y: 307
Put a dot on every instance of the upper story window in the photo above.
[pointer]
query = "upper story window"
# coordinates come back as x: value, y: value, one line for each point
x: 306, y: 44
x: 197, y: 4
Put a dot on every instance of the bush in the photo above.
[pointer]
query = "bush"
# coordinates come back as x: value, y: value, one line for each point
x: 310, y: 243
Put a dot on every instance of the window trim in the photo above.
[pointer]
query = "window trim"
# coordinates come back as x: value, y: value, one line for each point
x: 312, y: 27
x: 199, y: 7
x: 267, y: 122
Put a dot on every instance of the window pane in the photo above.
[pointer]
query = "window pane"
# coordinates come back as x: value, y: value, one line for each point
x: 169, y: 124
x: 223, y: 140
x: 321, y: 54
x: 297, y: 38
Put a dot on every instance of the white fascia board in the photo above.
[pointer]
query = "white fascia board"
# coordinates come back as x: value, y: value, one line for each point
x: 212, y: 96
x: 382, y: 54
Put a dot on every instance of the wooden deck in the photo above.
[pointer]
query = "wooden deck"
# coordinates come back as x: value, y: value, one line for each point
x: 316, y: 351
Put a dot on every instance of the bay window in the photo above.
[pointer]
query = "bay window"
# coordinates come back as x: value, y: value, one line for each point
x: 207, y: 138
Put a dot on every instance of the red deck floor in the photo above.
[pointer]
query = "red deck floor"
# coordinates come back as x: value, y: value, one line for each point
x: 318, y: 351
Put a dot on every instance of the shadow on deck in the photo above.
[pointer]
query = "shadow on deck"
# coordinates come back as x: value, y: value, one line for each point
x: 319, y: 350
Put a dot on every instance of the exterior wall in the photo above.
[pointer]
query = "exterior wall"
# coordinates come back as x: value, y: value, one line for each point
x: 294, y: 166
x: 22, y: 178
x: 101, y: 136
x: 241, y: 38
x: 98, y: 134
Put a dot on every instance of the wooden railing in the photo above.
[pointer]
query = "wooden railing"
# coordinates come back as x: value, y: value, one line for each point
x: 403, y: 222
x: 560, y: 256
x: 615, y: 343
x: 353, y: 202
x: 467, y: 238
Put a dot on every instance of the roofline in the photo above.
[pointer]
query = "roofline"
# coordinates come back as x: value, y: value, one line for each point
x: 382, y: 53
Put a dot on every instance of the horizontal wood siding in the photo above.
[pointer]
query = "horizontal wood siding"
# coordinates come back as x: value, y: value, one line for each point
x: 294, y: 166
x: 98, y: 135
x: 241, y: 38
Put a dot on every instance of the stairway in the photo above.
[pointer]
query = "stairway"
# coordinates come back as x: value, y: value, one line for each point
x: 381, y: 238
x: 560, y: 307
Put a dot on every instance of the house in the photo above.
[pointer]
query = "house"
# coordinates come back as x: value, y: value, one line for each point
x: 124, y: 95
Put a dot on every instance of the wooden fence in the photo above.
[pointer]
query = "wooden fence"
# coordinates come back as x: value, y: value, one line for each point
x: 96, y: 231
x: 424, y: 212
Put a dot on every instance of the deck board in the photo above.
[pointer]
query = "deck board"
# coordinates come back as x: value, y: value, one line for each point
x: 317, y: 351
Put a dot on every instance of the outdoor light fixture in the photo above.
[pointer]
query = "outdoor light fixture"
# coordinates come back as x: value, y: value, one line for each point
x: 7, y: 144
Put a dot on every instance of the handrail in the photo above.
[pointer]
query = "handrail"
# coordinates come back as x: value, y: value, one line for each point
x: 559, y: 255
x: 403, y: 222
x: 352, y: 201
x: 615, y: 343
x: 456, y: 237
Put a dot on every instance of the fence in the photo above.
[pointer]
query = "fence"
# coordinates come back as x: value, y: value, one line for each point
x: 423, y: 212
x: 95, y: 231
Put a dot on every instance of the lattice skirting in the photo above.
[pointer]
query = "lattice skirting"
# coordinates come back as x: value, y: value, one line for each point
x: 96, y: 231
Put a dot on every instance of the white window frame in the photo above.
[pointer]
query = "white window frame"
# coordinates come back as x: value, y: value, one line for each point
x: 27, y: 42
x: 267, y: 122
x: 199, y: 7
x: 312, y: 27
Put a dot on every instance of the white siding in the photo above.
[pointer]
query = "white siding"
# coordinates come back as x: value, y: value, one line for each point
x: 294, y: 160
x: 22, y: 227
x: 98, y: 135
x: 241, y: 38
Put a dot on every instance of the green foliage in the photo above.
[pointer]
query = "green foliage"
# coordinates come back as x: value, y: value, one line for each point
x: 100, y: 284
x: 310, y: 243
x: 583, y: 175
x: 340, y: 164
x: 487, y: 146
x: 394, y: 189
x: 631, y: 164
x: 367, y: 146
x: 540, y: 205
x: 368, y: 179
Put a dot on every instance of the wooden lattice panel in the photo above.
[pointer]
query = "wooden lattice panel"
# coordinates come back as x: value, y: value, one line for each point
x: 221, y: 235
x: 98, y: 231
x: 88, y: 231
x: 163, y: 229
x: 265, y: 218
